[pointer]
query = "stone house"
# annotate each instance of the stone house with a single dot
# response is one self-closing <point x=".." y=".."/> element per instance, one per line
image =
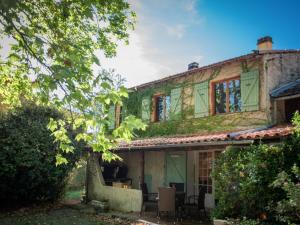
<point x="195" y="115"/>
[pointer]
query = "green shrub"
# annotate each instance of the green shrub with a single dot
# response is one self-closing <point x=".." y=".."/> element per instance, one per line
<point x="27" y="157"/>
<point x="288" y="209"/>
<point x="250" y="182"/>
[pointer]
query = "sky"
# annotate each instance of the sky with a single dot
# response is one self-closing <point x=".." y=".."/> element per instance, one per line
<point x="170" y="34"/>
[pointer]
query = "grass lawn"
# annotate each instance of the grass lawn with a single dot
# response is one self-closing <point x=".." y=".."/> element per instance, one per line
<point x="73" y="195"/>
<point x="58" y="216"/>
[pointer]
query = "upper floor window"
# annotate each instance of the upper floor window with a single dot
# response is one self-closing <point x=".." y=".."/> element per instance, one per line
<point x="162" y="107"/>
<point x="228" y="96"/>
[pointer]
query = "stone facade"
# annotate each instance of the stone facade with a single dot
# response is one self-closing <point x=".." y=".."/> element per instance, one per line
<point x="151" y="165"/>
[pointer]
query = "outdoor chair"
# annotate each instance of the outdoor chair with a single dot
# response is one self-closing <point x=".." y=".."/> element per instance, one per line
<point x="149" y="199"/>
<point x="166" y="200"/>
<point x="179" y="186"/>
<point x="195" y="203"/>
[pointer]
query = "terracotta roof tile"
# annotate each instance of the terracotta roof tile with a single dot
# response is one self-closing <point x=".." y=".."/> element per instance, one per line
<point x="253" y="134"/>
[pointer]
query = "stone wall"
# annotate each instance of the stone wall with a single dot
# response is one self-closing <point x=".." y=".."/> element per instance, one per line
<point x="229" y="121"/>
<point x="133" y="162"/>
<point x="279" y="69"/>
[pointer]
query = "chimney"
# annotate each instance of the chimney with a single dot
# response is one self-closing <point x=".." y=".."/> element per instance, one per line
<point x="264" y="43"/>
<point x="193" y="65"/>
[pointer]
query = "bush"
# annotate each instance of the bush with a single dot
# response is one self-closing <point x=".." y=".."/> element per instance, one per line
<point x="250" y="182"/>
<point x="27" y="157"/>
<point x="288" y="209"/>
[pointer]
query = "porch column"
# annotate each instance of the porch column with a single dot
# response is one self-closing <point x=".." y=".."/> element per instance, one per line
<point x="142" y="167"/>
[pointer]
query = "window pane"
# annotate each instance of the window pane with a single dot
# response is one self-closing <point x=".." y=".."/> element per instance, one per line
<point x="159" y="108"/>
<point x="220" y="93"/>
<point x="234" y="96"/>
<point x="168" y="106"/>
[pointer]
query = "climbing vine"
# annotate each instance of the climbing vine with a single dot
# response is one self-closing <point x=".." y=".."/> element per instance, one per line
<point x="132" y="105"/>
<point x="246" y="67"/>
<point x="188" y="124"/>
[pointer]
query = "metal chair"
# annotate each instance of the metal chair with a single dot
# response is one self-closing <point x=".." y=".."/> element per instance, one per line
<point x="195" y="203"/>
<point x="179" y="186"/>
<point x="179" y="197"/>
<point x="149" y="199"/>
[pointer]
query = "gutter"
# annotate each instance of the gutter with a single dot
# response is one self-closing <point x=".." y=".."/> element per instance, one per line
<point x="195" y="144"/>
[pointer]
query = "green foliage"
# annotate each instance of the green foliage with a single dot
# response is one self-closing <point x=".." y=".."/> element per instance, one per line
<point x="260" y="181"/>
<point x="28" y="167"/>
<point x="54" y="44"/>
<point x="242" y="178"/>
<point x="288" y="209"/>
<point x="133" y="104"/>
<point x="216" y="123"/>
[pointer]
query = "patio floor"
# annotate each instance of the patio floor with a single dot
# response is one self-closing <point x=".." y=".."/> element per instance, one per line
<point x="150" y="218"/>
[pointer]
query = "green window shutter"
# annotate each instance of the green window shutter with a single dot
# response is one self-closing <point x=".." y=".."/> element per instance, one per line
<point x="201" y="99"/>
<point x="176" y="103"/>
<point x="112" y="117"/>
<point x="250" y="90"/>
<point x="146" y="102"/>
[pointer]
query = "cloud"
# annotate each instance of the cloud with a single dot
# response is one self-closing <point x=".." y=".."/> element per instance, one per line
<point x="176" y="31"/>
<point x="190" y="6"/>
<point x="161" y="44"/>
<point x="130" y="62"/>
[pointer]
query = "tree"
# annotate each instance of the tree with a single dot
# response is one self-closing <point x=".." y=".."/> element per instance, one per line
<point x="52" y="60"/>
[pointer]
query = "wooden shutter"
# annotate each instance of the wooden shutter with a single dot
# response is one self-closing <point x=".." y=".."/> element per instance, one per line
<point x="146" y="108"/>
<point x="250" y="90"/>
<point x="201" y="99"/>
<point x="176" y="103"/>
<point x="112" y="117"/>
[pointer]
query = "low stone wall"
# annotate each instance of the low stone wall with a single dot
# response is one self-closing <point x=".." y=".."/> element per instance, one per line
<point x="120" y="199"/>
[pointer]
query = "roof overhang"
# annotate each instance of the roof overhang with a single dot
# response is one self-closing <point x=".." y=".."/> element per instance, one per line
<point x="267" y="134"/>
<point x="287" y="91"/>
<point x="200" y="146"/>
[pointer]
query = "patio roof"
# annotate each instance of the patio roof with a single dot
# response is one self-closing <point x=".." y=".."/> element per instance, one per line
<point x="288" y="89"/>
<point x="224" y="138"/>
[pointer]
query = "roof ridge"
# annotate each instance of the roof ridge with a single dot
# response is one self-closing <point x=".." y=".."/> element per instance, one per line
<point x="245" y="56"/>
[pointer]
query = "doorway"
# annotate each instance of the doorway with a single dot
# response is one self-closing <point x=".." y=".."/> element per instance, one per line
<point x="176" y="169"/>
<point x="291" y="106"/>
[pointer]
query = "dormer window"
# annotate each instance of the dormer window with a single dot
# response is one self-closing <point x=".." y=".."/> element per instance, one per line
<point x="162" y="107"/>
<point x="228" y="96"/>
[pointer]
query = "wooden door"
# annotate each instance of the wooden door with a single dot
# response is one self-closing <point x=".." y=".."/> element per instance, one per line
<point x="175" y="168"/>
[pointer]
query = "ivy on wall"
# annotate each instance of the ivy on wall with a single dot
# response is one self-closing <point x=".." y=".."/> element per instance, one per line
<point x="210" y="124"/>
<point x="187" y="124"/>
<point x="246" y="67"/>
<point x="132" y="105"/>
